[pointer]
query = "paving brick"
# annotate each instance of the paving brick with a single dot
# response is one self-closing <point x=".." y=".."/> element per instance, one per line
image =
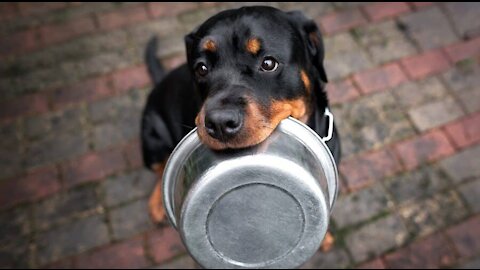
<point x="380" y="11"/>
<point x="472" y="264"/>
<point x="60" y="75"/>
<point x="10" y="151"/>
<point x="463" y="80"/>
<point x="311" y="9"/>
<point x="341" y="20"/>
<point x="360" y="206"/>
<point x="429" y="27"/>
<point x="428" y="63"/>
<point x="130" y="219"/>
<point x="409" y="96"/>
<point x="427" y="147"/>
<point x="466" y="237"/>
<point x="75" y="50"/>
<point x="133" y="185"/>
<point x="464" y="16"/>
<point x="19" y="42"/>
<point x="374" y="264"/>
<point x="429" y="215"/>
<point x="39" y="8"/>
<point x="26" y="105"/>
<point x="64" y="205"/>
<point x="341" y="92"/>
<point x="462" y="76"/>
<point x="184" y="262"/>
<point x="471" y="100"/>
<point x="381" y="78"/>
<point x="8" y="11"/>
<point x="107" y="134"/>
<point x="466" y="131"/>
<point x="93" y="167"/>
<point x="15" y="253"/>
<point x="376" y="238"/>
<point x="56" y="147"/>
<point x="471" y="193"/>
<point x="365" y="169"/>
<point x="122" y="17"/>
<point x="39" y="126"/>
<point x="435" y="114"/>
<point x="337" y="258"/>
<point x="35" y="184"/>
<point x="349" y="4"/>
<point x="373" y="121"/>
<point x="463" y="50"/>
<point x="417" y="184"/>
<point x="134" y="77"/>
<point x="55" y="33"/>
<point x="126" y="254"/>
<point x="164" y="244"/>
<point x="343" y="56"/>
<point x="133" y="154"/>
<point x="14" y="229"/>
<point x="464" y="165"/>
<point x="62" y="264"/>
<point x="71" y="238"/>
<point x="104" y="110"/>
<point x="431" y="252"/>
<point x="175" y="61"/>
<point x="422" y="4"/>
<point x="169" y="9"/>
<point x="168" y="30"/>
<point x="384" y="41"/>
<point x="191" y="19"/>
<point x="129" y="122"/>
<point x="88" y="90"/>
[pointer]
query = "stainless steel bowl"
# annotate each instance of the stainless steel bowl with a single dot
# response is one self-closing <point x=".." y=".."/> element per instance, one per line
<point x="266" y="206"/>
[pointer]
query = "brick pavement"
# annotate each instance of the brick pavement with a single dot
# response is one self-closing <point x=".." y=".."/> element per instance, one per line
<point x="405" y="89"/>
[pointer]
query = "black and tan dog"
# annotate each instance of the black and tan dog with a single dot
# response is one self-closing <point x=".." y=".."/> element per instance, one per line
<point x="247" y="69"/>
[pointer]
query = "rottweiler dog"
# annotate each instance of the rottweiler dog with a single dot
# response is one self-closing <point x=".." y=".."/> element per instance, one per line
<point x="247" y="69"/>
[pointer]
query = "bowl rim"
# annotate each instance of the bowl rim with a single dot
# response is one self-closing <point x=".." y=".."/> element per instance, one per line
<point x="191" y="141"/>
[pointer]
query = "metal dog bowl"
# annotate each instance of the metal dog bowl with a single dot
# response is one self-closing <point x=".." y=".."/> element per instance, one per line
<point x="266" y="206"/>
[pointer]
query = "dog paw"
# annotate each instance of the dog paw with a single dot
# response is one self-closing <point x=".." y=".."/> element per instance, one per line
<point x="157" y="213"/>
<point x="328" y="243"/>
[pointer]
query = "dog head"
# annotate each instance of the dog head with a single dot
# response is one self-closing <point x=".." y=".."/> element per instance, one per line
<point x="254" y="67"/>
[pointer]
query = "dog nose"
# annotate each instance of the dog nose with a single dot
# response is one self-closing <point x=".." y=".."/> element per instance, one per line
<point x="223" y="124"/>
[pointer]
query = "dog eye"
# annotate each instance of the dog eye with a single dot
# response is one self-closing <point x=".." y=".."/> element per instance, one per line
<point x="201" y="69"/>
<point x="269" y="64"/>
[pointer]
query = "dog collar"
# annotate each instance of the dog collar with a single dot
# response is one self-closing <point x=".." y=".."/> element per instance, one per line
<point x="328" y="115"/>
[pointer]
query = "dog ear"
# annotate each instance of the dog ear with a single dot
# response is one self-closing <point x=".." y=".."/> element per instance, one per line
<point x="189" y="39"/>
<point x="189" y="44"/>
<point x="313" y="38"/>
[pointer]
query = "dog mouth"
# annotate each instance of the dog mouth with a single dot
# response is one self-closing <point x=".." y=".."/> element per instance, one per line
<point x="254" y="130"/>
<point x="258" y="124"/>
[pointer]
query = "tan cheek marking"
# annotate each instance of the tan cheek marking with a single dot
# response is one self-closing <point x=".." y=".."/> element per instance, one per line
<point x="253" y="46"/>
<point x="210" y="46"/>
<point x="282" y="109"/>
<point x="306" y="81"/>
<point x="255" y="125"/>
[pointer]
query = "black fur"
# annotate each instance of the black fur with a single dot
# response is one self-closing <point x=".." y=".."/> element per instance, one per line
<point x="233" y="73"/>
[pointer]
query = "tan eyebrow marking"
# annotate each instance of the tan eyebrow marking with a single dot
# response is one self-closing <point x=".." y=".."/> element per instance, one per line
<point x="210" y="45"/>
<point x="253" y="45"/>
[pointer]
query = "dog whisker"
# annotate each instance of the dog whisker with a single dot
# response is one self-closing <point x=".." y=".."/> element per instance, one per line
<point x="184" y="125"/>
